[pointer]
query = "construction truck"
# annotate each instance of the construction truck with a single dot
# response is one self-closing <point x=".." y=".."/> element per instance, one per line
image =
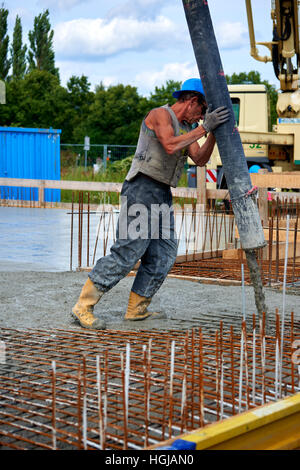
<point x="278" y="150"/>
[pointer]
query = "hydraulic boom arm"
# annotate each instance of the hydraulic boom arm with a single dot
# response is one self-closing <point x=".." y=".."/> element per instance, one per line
<point x="284" y="52"/>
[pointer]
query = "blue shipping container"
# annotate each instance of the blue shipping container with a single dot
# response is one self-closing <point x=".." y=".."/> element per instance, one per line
<point x="29" y="154"/>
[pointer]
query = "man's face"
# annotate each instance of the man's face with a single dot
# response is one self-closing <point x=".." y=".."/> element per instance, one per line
<point x="195" y="111"/>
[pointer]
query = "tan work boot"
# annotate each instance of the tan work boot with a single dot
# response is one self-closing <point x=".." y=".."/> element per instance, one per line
<point x="83" y="310"/>
<point x="137" y="308"/>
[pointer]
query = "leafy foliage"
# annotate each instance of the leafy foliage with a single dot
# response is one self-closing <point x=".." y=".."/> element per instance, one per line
<point x="35" y="97"/>
<point x="119" y="109"/>
<point x="37" y="101"/>
<point x="18" y="52"/>
<point x="163" y="94"/>
<point x="4" y="41"/>
<point x="80" y="99"/>
<point x="41" y="54"/>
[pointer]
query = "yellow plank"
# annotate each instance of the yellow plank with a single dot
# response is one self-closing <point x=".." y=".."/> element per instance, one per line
<point x="278" y="435"/>
<point x="245" y="422"/>
<point x="272" y="426"/>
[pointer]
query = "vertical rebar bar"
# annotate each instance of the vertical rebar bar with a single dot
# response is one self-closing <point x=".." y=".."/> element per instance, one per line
<point x="201" y="389"/>
<point x="192" y="377"/>
<point x="241" y="370"/>
<point x="84" y="404"/>
<point x="100" y="407"/>
<point x="124" y="407"/>
<point x="222" y="372"/>
<point x="217" y="375"/>
<point x="253" y="359"/>
<point x="232" y="370"/>
<point x="184" y="385"/>
<point x="164" y="408"/>
<point x="277" y="354"/>
<point x="147" y="376"/>
<point x="243" y="294"/>
<point x="54" y="405"/>
<point x="105" y="396"/>
<point x="271" y="221"/>
<point x="283" y="304"/>
<point x="84" y="422"/>
<point x="295" y="246"/>
<point x="79" y="432"/>
<point x="79" y="231"/>
<point x="72" y="228"/>
<point x="262" y="354"/>
<point x="292" y="342"/>
<point x="246" y="365"/>
<point x="277" y="241"/>
<point x="172" y="359"/>
<point x="81" y="227"/>
<point x="88" y="233"/>
<point x="97" y="238"/>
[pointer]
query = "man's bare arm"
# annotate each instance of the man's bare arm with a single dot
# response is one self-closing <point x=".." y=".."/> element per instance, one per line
<point x="160" y="121"/>
<point x="201" y="154"/>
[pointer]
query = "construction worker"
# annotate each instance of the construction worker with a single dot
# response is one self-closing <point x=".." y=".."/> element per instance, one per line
<point x="167" y="136"/>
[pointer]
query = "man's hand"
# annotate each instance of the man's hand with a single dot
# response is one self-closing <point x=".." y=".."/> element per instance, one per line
<point x="213" y="119"/>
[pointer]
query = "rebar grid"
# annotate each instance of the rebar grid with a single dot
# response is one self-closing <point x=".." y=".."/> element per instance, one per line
<point x="219" y="268"/>
<point x="202" y="235"/>
<point x="128" y="390"/>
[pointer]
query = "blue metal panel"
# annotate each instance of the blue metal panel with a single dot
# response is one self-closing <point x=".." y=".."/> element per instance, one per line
<point x="30" y="154"/>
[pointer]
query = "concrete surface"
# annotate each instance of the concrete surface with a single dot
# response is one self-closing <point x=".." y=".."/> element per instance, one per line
<point x="44" y="300"/>
<point x="38" y="291"/>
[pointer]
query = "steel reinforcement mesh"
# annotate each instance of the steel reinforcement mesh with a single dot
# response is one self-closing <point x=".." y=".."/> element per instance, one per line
<point x="272" y="273"/>
<point x="128" y="390"/>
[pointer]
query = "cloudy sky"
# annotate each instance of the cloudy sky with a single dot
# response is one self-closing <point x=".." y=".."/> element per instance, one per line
<point x="142" y="42"/>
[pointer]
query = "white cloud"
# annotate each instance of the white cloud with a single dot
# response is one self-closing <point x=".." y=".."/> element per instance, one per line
<point x="110" y="80"/>
<point x="92" y="39"/>
<point x="61" y="4"/>
<point x="231" y="35"/>
<point x="25" y="14"/>
<point x="96" y="74"/>
<point x="139" y="9"/>
<point x="149" y="79"/>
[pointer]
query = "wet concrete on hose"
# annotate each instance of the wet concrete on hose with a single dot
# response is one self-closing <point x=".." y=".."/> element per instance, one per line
<point x="43" y="300"/>
<point x="255" y="276"/>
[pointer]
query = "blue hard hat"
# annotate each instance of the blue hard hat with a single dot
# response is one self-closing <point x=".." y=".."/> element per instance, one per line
<point x="254" y="169"/>
<point x="192" y="84"/>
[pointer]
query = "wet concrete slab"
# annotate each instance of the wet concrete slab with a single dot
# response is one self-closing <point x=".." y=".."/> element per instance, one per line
<point x="34" y="239"/>
<point x="44" y="300"/>
<point x="37" y="290"/>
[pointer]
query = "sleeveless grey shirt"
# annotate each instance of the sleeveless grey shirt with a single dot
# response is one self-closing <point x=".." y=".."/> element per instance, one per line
<point x="151" y="159"/>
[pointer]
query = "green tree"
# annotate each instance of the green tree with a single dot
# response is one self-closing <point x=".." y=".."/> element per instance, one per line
<point x="45" y="103"/>
<point x="18" y="52"/>
<point x="38" y="100"/>
<point x="115" y="115"/>
<point x="8" y="111"/>
<point x="41" y="54"/>
<point x="80" y="100"/>
<point x="4" y="42"/>
<point x="79" y="92"/>
<point x="163" y="94"/>
<point x="255" y="78"/>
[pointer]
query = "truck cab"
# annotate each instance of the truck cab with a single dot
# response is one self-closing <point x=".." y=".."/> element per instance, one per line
<point x="251" y="110"/>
